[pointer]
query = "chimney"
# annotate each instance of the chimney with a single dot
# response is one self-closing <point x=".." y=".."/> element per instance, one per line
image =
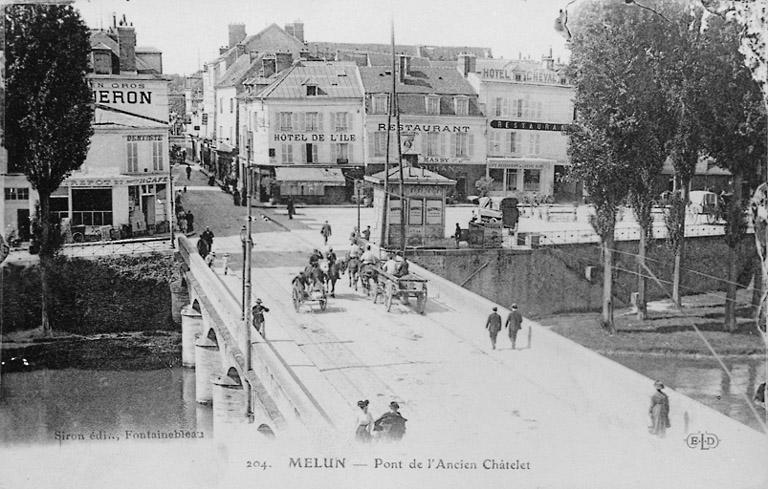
<point x="236" y="34"/>
<point x="405" y="67"/>
<point x="296" y="29"/>
<point x="240" y="47"/>
<point x="284" y="60"/>
<point x="305" y="53"/>
<point x="467" y="63"/>
<point x="268" y="65"/>
<point x="549" y="60"/>
<point x="126" y="41"/>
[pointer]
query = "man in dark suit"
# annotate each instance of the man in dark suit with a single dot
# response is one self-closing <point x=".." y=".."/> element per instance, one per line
<point x="493" y="325"/>
<point x="514" y="323"/>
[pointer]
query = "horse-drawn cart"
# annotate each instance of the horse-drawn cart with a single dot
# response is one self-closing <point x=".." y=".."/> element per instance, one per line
<point x="410" y="285"/>
<point x="315" y="295"/>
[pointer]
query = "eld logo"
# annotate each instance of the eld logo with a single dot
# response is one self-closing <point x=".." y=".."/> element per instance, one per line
<point x="702" y="441"/>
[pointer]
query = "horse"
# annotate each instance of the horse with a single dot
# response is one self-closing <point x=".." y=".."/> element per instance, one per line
<point x="335" y="270"/>
<point x="353" y="271"/>
<point x="368" y="272"/>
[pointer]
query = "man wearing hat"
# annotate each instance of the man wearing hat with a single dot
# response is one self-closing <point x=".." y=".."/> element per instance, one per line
<point x="493" y="325"/>
<point x="257" y="313"/>
<point x="514" y="323"/>
<point x="391" y="424"/>
<point x="659" y="411"/>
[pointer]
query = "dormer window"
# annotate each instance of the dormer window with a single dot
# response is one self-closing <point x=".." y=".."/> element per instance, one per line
<point x="461" y="105"/>
<point x="433" y="104"/>
<point x="311" y="90"/>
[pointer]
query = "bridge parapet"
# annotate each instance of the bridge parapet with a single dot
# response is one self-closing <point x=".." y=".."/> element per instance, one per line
<point x="286" y="403"/>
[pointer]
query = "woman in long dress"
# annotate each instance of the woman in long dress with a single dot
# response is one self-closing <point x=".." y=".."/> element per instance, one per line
<point x="364" y="423"/>
<point x="659" y="411"/>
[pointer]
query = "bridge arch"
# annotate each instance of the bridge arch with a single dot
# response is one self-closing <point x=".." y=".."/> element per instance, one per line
<point x="266" y="430"/>
<point x="233" y="374"/>
<point x="196" y="305"/>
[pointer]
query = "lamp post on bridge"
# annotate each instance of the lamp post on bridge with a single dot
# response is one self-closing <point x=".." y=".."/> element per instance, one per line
<point x="246" y="237"/>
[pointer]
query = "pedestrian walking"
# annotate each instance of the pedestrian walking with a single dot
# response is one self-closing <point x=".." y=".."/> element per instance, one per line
<point x="457" y="234"/>
<point x="493" y="325"/>
<point x="236" y="197"/>
<point x="257" y="313"/>
<point x="326" y="232"/>
<point x="183" y="223"/>
<point x="514" y="323"/>
<point x="189" y="172"/>
<point x="203" y="248"/>
<point x="364" y="423"/>
<point x="209" y="258"/>
<point x="659" y="411"/>
<point x="225" y="263"/>
<point x="207" y="236"/>
<point x="291" y="208"/>
<point x="367" y="233"/>
<point x="190" y="221"/>
<point x="391" y="425"/>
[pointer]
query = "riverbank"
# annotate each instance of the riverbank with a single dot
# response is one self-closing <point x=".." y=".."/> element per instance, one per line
<point x="667" y="331"/>
<point x="140" y="350"/>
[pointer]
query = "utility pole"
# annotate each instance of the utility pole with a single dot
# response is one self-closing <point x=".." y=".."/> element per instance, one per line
<point x="248" y="319"/>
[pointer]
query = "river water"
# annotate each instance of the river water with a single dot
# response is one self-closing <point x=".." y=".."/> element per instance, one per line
<point x="43" y="405"/>
<point x="705" y="381"/>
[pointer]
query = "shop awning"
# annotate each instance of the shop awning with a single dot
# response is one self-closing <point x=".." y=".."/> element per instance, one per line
<point x="327" y="176"/>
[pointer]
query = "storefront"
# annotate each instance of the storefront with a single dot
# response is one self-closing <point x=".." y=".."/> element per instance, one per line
<point x="310" y="185"/>
<point x="521" y="176"/>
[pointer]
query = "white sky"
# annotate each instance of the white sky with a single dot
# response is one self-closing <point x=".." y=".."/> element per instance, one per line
<point x="188" y="30"/>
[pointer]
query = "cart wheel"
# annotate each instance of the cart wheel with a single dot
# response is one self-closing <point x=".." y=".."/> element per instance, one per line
<point x="323" y="304"/>
<point x="711" y="218"/>
<point x="388" y="297"/>
<point x="78" y="237"/>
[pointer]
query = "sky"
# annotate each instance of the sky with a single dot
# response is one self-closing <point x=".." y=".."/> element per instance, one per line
<point x="189" y="32"/>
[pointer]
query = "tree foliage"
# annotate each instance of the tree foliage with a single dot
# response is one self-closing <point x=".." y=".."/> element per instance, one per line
<point x="48" y="99"/>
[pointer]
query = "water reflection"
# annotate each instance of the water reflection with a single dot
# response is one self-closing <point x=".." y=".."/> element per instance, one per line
<point x="705" y="381"/>
<point x="35" y="405"/>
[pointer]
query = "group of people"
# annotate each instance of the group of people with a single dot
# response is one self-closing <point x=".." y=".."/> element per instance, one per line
<point x="186" y="221"/>
<point x="205" y="246"/>
<point x="390" y="426"/>
<point x="514" y="323"/>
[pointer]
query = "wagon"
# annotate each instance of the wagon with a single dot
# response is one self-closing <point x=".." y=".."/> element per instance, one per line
<point x="410" y="285"/>
<point x="314" y="296"/>
<point x="705" y="206"/>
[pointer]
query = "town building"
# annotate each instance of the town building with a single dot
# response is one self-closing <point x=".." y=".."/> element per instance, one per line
<point x="216" y="141"/>
<point x="309" y="118"/>
<point x="442" y="127"/>
<point x="124" y="184"/>
<point x="528" y="104"/>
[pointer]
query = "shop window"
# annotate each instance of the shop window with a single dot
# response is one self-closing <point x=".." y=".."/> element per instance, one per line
<point x="531" y="180"/>
<point x="497" y="174"/>
<point x="433" y="144"/>
<point x="511" y="179"/>
<point x="132" y="152"/>
<point x="310" y="153"/>
<point x="433" y="104"/>
<point x="16" y="193"/>
<point x="157" y="155"/>
<point x="380" y="104"/>
<point x="92" y="207"/>
<point x="287" y="153"/>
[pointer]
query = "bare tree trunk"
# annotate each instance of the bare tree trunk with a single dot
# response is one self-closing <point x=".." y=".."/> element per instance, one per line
<point x="46" y="259"/>
<point x="642" y="307"/>
<point x="607" y="314"/>
<point x="680" y="252"/>
<point x="730" y="291"/>
<point x="757" y="293"/>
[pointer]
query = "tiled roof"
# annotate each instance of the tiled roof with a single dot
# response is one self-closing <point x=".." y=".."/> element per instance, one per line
<point x="253" y="42"/>
<point x="333" y="79"/>
<point x="332" y="47"/>
<point x="419" y="80"/>
<point x="415" y="104"/>
<point x="241" y="69"/>
<point x="102" y="37"/>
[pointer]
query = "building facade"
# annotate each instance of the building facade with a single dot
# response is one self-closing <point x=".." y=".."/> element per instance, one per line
<point x="124" y="183"/>
<point x="442" y="128"/>
<point x="310" y="117"/>
<point x="528" y="106"/>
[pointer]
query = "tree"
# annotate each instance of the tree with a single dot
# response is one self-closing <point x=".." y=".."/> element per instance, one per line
<point x="48" y="109"/>
<point x="734" y="135"/>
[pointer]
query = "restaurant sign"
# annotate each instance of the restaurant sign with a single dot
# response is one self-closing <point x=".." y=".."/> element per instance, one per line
<point x="529" y="126"/>
<point x="114" y="181"/>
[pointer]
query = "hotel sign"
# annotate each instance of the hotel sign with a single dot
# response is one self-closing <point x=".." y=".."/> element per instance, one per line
<point x="511" y="74"/>
<point x="529" y="126"/>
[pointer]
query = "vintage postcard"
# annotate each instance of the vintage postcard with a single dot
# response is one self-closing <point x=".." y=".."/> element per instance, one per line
<point x="447" y="243"/>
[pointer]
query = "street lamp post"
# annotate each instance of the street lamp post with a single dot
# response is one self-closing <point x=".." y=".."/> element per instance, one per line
<point x="243" y="240"/>
<point x="248" y="244"/>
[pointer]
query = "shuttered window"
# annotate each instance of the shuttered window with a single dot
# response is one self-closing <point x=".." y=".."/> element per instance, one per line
<point x="132" y="152"/>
